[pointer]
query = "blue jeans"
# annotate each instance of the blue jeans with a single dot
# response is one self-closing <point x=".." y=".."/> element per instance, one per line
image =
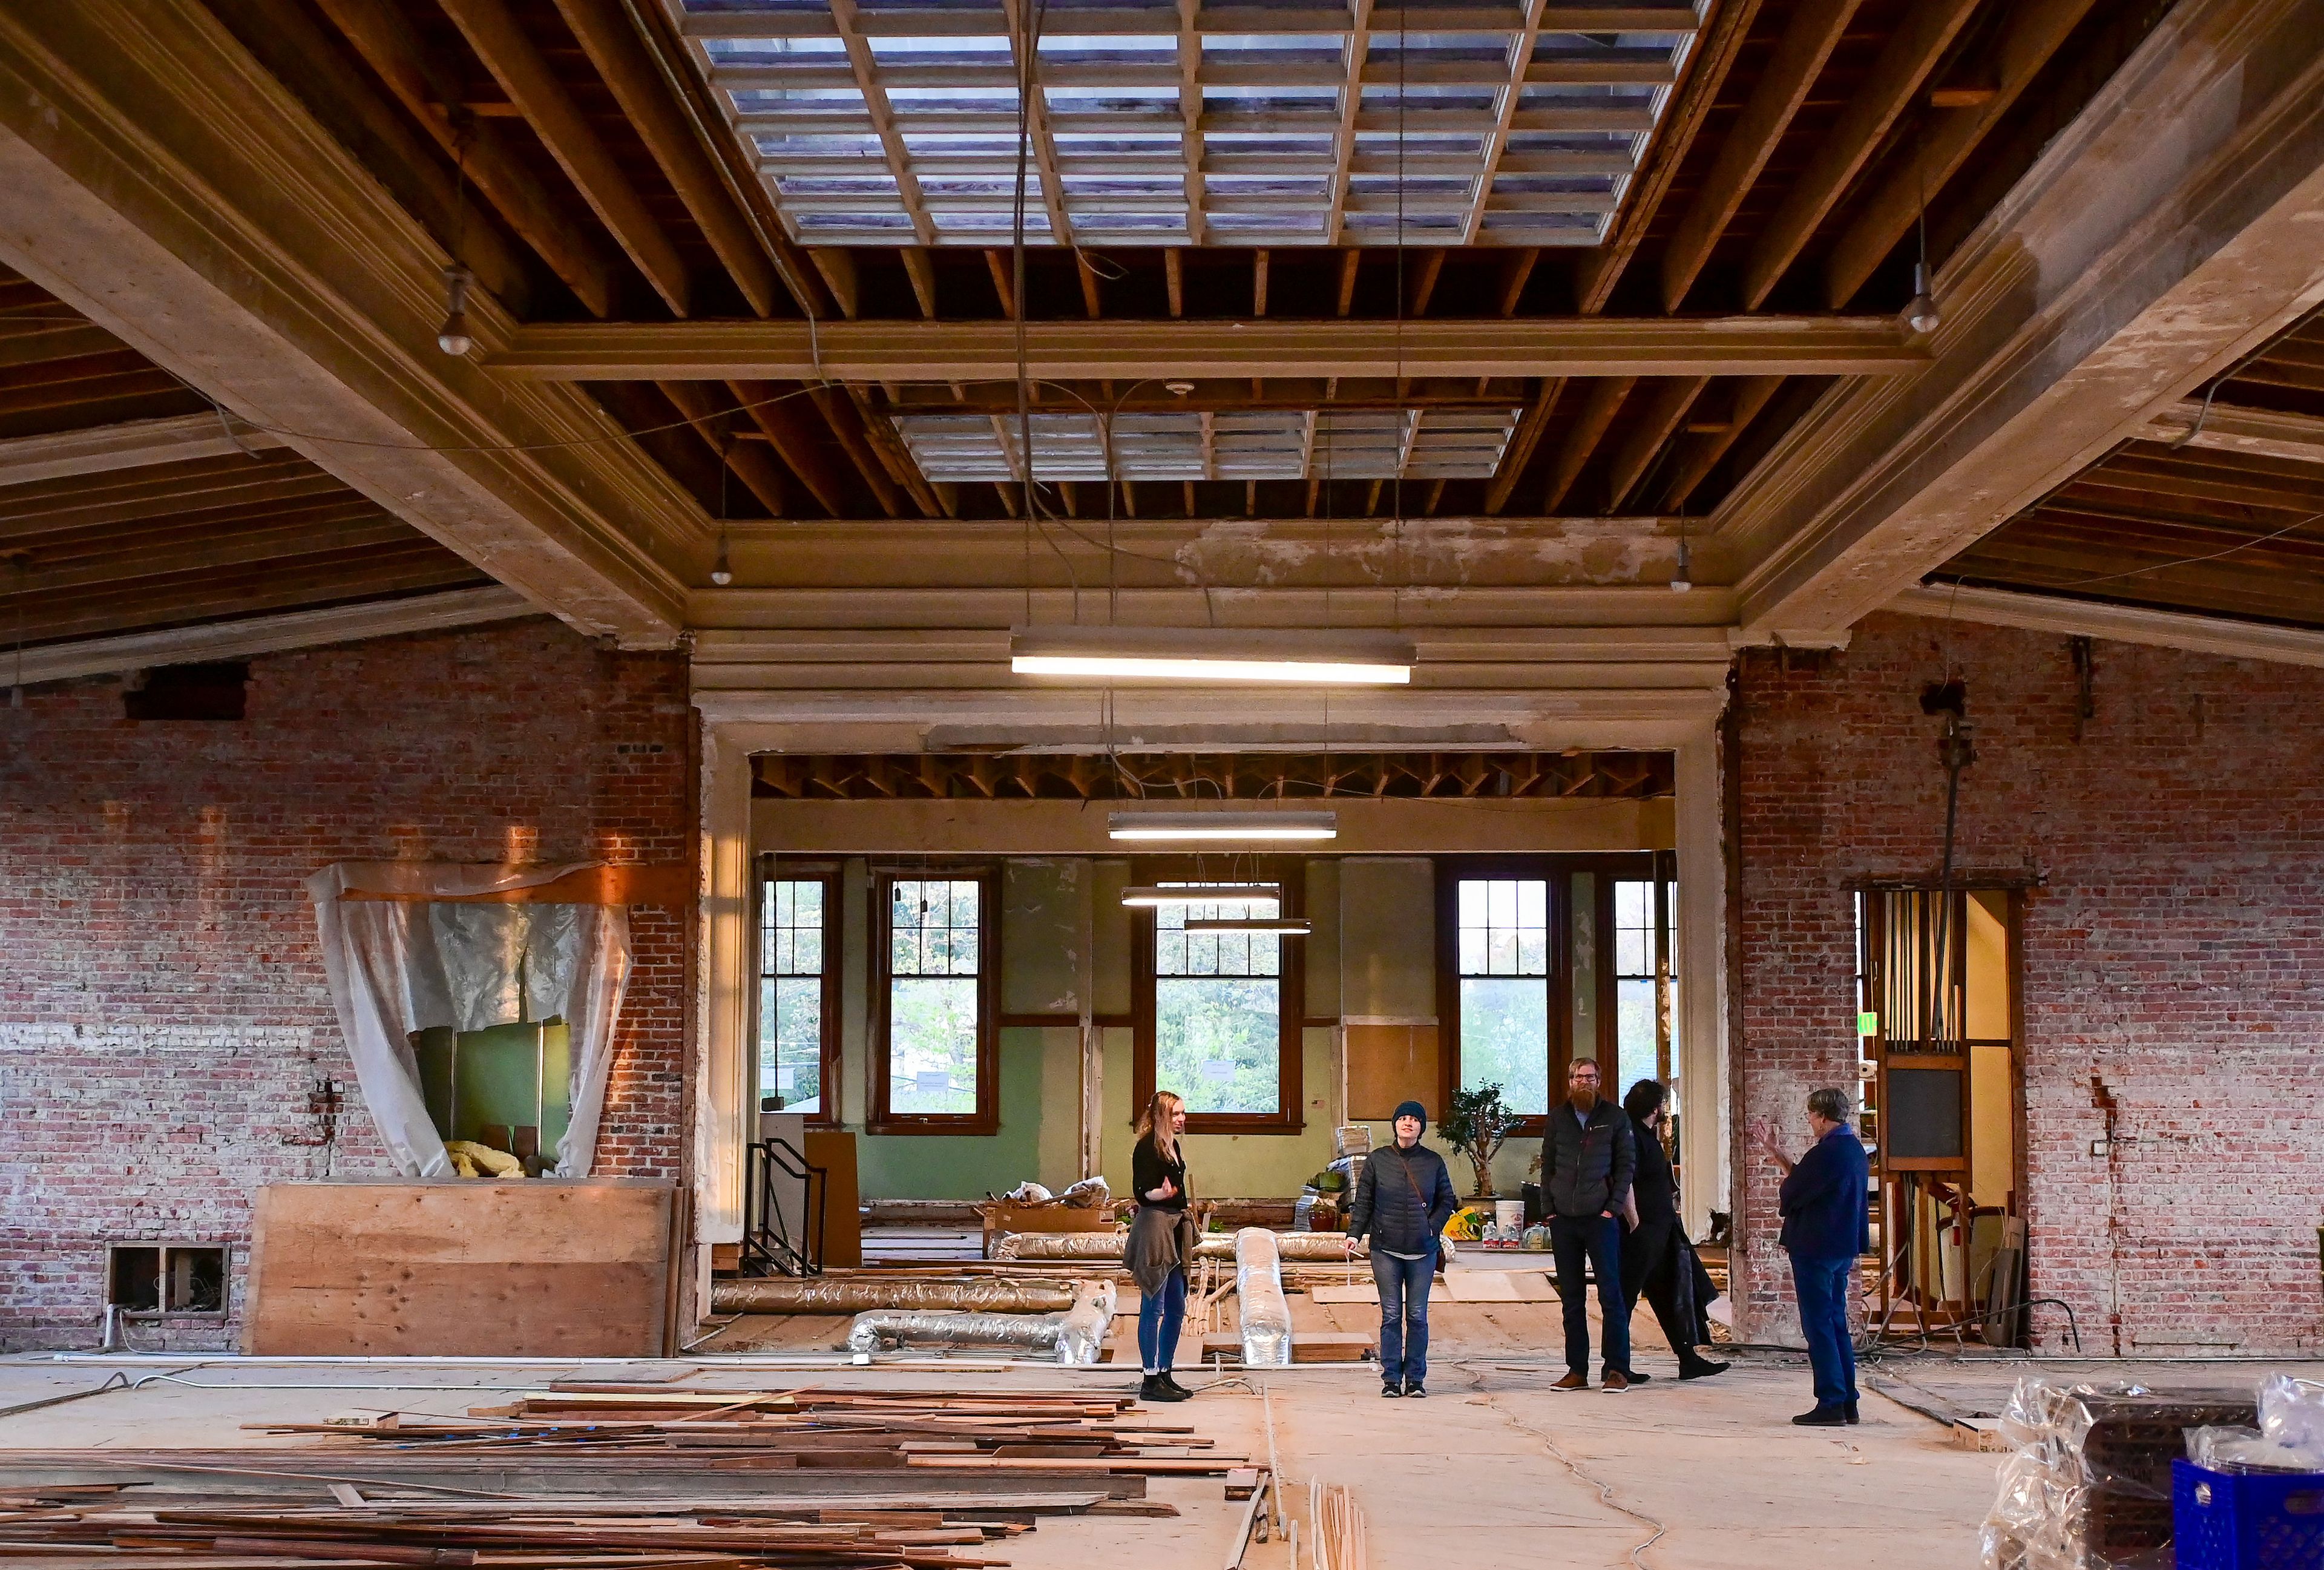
<point x="1160" y="1316"/>
<point x="1597" y="1238"/>
<point x="1821" y="1287"/>
<point x="1403" y="1316"/>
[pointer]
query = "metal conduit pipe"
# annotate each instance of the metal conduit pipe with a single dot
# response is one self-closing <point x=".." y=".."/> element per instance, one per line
<point x="862" y="1295"/>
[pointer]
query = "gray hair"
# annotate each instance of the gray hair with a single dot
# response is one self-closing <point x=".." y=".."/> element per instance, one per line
<point x="1828" y="1104"/>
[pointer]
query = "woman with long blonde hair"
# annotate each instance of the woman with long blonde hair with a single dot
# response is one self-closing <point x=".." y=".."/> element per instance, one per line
<point x="1162" y="1238"/>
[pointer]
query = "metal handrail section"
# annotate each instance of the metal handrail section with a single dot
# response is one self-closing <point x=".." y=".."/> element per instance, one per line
<point x="768" y="1247"/>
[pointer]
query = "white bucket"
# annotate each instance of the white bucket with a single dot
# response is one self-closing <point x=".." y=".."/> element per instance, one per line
<point x="1509" y="1214"/>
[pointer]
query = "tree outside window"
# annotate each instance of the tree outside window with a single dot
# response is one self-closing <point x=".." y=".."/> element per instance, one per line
<point x="1218" y="1010"/>
<point x="933" y="1063"/>
<point x="1503" y="955"/>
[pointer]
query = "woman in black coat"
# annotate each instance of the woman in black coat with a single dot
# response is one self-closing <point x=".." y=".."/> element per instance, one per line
<point x="1403" y="1201"/>
<point x="1657" y="1260"/>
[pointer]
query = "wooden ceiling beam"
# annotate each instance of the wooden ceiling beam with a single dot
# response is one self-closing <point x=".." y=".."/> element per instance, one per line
<point x="1814" y="30"/>
<point x="625" y="60"/>
<point x="313" y="64"/>
<point x="516" y="63"/>
<point x="58" y="571"/>
<point x="1653" y="426"/>
<point x="243" y="637"/>
<point x="1582" y="436"/>
<point x="1523" y="442"/>
<point x="384" y="37"/>
<point x="27" y="460"/>
<point x="1920" y="40"/>
<point x="2032" y="31"/>
<point x="114" y="512"/>
<point x="794" y="437"/>
<point x="2083" y="618"/>
<point x="1703" y="452"/>
<point x="716" y="423"/>
<point x="2222" y="428"/>
<point x="1713" y="56"/>
<point x="946" y="351"/>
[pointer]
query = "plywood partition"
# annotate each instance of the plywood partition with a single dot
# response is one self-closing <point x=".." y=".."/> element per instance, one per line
<point x="461" y="1269"/>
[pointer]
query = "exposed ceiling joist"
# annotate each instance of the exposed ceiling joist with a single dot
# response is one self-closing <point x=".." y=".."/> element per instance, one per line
<point x="165" y="185"/>
<point x="2122" y="272"/>
<point x="2123" y="623"/>
<point x="240" y="638"/>
<point x="949" y="351"/>
<point x="2255" y="432"/>
<point x="136" y="444"/>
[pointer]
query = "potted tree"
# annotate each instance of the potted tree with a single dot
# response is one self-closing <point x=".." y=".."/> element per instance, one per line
<point x="1475" y="1124"/>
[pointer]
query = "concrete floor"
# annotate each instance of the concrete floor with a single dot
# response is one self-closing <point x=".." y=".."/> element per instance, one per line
<point x="1494" y="1470"/>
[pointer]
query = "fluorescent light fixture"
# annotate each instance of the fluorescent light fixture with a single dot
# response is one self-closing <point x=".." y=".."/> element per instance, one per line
<point x="1333" y="658"/>
<point x="1147" y="896"/>
<point x="1240" y="826"/>
<point x="1256" y="926"/>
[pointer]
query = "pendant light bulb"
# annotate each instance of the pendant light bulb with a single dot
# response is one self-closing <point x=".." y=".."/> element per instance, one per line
<point x="722" y="571"/>
<point x="1921" y="315"/>
<point x="1683" y="575"/>
<point x="453" y="337"/>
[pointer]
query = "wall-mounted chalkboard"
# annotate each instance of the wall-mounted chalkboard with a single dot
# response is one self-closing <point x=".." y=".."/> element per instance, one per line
<point x="1923" y="1115"/>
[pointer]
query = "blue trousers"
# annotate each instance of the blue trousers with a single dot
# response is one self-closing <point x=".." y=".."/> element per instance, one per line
<point x="1403" y="1316"/>
<point x="1821" y="1287"/>
<point x="1160" y="1316"/>
<point x="1597" y="1238"/>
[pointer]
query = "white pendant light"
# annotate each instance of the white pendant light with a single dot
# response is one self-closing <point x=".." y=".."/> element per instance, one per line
<point x="1254" y="927"/>
<point x="1338" y="658"/>
<point x="1223" y="825"/>
<point x="1148" y="896"/>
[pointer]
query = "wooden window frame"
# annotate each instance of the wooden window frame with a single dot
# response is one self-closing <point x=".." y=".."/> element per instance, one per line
<point x="1452" y="871"/>
<point x="771" y="869"/>
<point x="1291" y="1015"/>
<point x="986" y="1118"/>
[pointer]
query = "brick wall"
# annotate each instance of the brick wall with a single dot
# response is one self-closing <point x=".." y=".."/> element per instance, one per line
<point x="2175" y="950"/>
<point x="164" y="1014"/>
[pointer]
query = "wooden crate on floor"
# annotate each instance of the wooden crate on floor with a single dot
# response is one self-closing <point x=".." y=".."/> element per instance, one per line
<point x="461" y="1269"/>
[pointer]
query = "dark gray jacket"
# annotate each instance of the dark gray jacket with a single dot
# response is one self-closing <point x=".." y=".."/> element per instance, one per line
<point x="1586" y="1169"/>
<point x="1403" y="1217"/>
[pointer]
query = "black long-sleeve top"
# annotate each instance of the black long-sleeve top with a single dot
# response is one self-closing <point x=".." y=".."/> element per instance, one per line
<point x="1148" y="1168"/>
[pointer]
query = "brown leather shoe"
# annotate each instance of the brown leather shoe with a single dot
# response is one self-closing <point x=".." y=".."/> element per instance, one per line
<point x="1615" y="1380"/>
<point x="1572" y="1381"/>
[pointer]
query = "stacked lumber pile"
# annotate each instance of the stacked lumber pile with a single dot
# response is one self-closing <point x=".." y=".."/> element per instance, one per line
<point x="623" y="1479"/>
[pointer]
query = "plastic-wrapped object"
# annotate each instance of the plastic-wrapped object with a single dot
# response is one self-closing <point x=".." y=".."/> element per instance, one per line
<point x="1089" y="1194"/>
<point x="2234" y="1449"/>
<point x="2089" y="1487"/>
<point x="870" y="1294"/>
<point x="1266" y="1312"/>
<point x="1059" y="1246"/>
<point x="2291" y="1416"/>
<point x="1029" y="1194"/>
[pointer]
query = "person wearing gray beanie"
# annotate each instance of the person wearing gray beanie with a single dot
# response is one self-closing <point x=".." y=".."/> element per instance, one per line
<point x="1402" y="1203"/>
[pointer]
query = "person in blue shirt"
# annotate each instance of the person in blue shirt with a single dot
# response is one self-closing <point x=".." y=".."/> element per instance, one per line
<point x="1825" y="1228"/>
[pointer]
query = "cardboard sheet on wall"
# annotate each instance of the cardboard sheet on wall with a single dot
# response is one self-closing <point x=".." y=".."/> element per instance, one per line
<point x="1388" y="1064"/>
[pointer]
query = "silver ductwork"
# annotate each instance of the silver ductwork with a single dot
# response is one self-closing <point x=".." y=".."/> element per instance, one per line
<point x="1266" y="1312"/>
<point x="1074" y="1337"/>
<point x="871" y="1294"/>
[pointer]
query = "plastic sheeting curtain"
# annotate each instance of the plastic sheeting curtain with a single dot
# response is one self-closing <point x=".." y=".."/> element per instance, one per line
<point x="399" y="963"/>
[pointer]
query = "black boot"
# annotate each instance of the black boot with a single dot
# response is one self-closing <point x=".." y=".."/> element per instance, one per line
<point x="1849" y="1408"/>
<point x="1169" y="1382"/>
<point x="1824" y="1417"/>
<point x="1697" y="1367"/>
<point x="1157" y="1388"/>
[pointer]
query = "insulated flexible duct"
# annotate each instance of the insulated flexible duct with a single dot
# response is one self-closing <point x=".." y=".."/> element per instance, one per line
<point x="1307" y="1247"/>
<point x="869" y="1294"/>
<point x="1266" y="1314"/>
<point x="1074" y="1337"/>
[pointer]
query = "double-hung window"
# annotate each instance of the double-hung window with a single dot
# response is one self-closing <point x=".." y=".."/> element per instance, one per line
<point x="933" y="1070"/>
<point x="1506" y="989"/>
<point x="1219" y="1017"/>
<point x="799" y="974"/>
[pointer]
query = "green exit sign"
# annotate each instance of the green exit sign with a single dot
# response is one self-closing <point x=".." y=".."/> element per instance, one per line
<point x="1868" y="1024"/>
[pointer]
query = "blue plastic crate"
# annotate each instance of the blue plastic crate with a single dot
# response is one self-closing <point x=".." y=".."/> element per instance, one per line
<point x="2246" y="1521"/>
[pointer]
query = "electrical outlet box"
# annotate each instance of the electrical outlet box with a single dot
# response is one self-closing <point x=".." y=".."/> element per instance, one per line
<point x="2101" y="1148"/>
